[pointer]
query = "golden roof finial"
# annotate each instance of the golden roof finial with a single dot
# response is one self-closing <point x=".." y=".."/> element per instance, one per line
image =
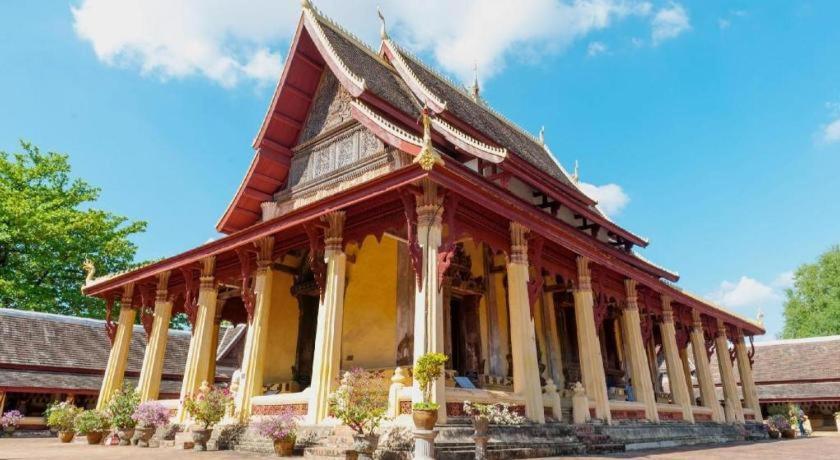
<point x="428" y="156"/>
<point x="383" y="32"/>
<point x="306" y="4"/>
<point x="90" y="270"/>
<point x="576" y="175"/>
<point x="760" y="317"/>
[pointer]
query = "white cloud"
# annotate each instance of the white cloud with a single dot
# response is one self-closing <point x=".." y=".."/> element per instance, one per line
<point x="610" y="197"/>
<point x="229" y="43"/>
<point x="748" y="297"/>
<point x="724" y="23"/>
<point x="669" y="22"/>
<point x="596" y="48"/>
<point x="830" y="133"/>
<point x="784" y="280"/>
<point x="217" y="39"/>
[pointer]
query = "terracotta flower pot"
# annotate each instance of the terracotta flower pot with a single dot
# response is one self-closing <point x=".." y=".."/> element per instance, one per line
<point x="66" y="436"/>
<point x="789" y="433"/>
<point x="424" y="419"/>
<point x="94" y="437"/>
<point x="146" y="433"/>
<point x="200" y="437"/>
<point x="284" y="447"/>
<point x="365" y="445"/>
<point x="125" y="436"/>
<point x="774" y="434"/>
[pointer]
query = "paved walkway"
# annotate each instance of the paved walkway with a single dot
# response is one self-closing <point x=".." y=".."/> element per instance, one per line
<point x="820" y="447"/>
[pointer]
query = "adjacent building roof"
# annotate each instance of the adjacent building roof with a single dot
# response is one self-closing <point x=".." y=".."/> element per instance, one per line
<point x="795" y="370"/>
<point x="41" y="351"/>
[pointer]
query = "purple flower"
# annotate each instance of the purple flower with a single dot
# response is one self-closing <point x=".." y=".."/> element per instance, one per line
<point x="151" y="413"/>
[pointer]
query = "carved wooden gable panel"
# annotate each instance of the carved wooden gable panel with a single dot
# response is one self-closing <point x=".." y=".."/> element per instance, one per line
<point x="330" y="108"/>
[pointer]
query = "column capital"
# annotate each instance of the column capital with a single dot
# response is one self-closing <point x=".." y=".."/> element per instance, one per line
<point x="429" y="205"/>
<point x="631" y="294"/>
<point x="162" y="286"/>
<point x="696" y="321"/>
<point x="518" y="243"/>
<point x="208" y="268"/>
<point x="721" y="328"/>
<point x="127" y="297"/>
<point x="584" y="274"/>
<point x="334" y="231"/>
<point x="667" y="309"/>
<point x="265" y="249"/>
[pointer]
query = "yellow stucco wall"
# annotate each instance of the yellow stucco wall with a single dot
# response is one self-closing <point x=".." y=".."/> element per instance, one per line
<point x="370" y="310"/>
<point x="282" y="331"/>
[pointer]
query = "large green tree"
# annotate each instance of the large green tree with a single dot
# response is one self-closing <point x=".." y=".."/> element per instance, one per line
<point x="48" y="228"/>
<point x="812" y="307"/>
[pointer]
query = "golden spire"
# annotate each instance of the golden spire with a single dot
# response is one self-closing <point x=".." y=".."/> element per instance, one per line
<point x="383" y="32"/>
<point x="576" y="175"/>
<point x="428" y="156"/>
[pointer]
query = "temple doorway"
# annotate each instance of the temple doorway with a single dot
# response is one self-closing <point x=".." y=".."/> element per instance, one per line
<point x="307" y="324"/>
<point x="466" y="336"/>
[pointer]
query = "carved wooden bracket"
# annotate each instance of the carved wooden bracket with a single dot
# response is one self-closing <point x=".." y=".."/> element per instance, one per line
<point x="535" y="255"/>
<point x="316" y="256"/>
<point x="751" y="353"/>
<point x="599" y="310"/>
<point x="447" y="248"/>
<point x="414" y="251"/>
<point x="646" y="324"/>
<point x="110" y="327"/>
<point x="247" y="288"/>
<point x="147" y="297"/>
<point x="190" y="294"/>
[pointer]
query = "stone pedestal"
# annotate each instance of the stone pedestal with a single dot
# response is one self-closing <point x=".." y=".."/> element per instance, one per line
<point x="424" y="444"/>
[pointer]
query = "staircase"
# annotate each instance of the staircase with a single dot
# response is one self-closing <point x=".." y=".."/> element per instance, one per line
<point x="454" y="441"/>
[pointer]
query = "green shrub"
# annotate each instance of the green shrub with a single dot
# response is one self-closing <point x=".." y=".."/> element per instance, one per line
<point x="61" y="416"/>
<point x="121" y="407"/>
<point x="427" y="369"/>
<point x="91" y="421"/>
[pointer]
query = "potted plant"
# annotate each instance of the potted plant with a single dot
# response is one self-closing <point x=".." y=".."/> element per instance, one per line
<point x="496" y="414"/>
<point x="361" y="402"/>
<point x="207" y="406"/>
<point x="428" y="368"/>
<point x="149" y="416"/>
<point x="61" y="416"/>
<point x="282" y="429"/>
<point x="120" y="408"/>
<point x="93" y="424"/>
<point x="10" y="421"/>
<point x="780" y="424"/>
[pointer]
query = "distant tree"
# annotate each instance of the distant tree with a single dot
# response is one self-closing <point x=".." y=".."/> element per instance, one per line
<point x="812" y="307"/>
<point x="48" y="228"/>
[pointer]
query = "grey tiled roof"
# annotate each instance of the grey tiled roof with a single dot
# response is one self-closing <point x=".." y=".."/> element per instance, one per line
<point x="70" y="381"/>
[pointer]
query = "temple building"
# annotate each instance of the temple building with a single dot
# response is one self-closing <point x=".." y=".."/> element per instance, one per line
<point x="388" y="213"/>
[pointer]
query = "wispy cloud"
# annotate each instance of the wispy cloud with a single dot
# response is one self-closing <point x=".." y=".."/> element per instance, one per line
<point x="669" y="22"/>
<point x="749" y="296"/>
<point x="829" y="133"/>
<point x="596" y="48"/>
<point x="229" y="43"/>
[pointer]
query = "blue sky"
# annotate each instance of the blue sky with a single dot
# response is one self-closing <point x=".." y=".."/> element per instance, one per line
<point x="716" y="122"/>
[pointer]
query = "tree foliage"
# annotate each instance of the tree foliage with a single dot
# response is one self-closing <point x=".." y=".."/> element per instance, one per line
<point x="812" y="307"/>
<point x="48" y="227"/>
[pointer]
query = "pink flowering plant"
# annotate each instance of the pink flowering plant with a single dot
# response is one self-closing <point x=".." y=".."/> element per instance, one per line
<point x="778" y="422"/>
<point x="497" y="414"/>
<point x="208" y="405"/>
<point x="360" y="401"/>
<point x="151" y="413"/>
<point x="11" y="419"/>
<point x="282" y="427"/>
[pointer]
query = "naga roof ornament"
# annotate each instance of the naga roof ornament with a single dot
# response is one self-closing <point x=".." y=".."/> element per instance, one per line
<point x="428" y="156"/>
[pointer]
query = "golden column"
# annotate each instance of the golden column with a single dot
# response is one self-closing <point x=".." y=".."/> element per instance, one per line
<point x="734" y="412"/>
<point x="701" y="366"/>
<point x="326" y="363"/>
<point x="555" y="349"/>
<point x="676" y="377"/>
<point x="589" y="348"/>
<point x="117" y="359"/>
<point x="640" y="370"/>
<point x="195" y="371"/>
<point x="689" y="385"/>
<point x="745" y="371"/>
<point x="211" y="361"/>
<point x="526" y="370"/>
<point x="428" y="298"/>
<point x="257" y="335"/>
<point x="149" y="384"/>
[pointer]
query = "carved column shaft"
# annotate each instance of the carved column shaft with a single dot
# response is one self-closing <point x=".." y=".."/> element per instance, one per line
<point x="589" y="347"/>
<point x="326" y="363"/>
<point x="676" y="378"/>
<point x="150" y="375"/>
<point x="526" y="372"/>
<point x="641" y="381"/>
<point x="118" y="358"/>
<point x="747" y="381"/>
<point x="428" y="298"/>
<point x="734" y="410"/>
<point x="703" y="369"/>
<point x="257" y="335"/>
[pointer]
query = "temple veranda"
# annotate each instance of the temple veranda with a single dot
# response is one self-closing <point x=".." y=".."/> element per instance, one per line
<point x="387" y="214"/>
